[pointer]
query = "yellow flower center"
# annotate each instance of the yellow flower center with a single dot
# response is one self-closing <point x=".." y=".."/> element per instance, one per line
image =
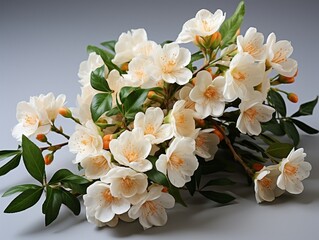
<point x="107" y="196"/>
<point x="99" y="162"/>
<point x="180" y="118"/>
<point x="149" y="129"/>
<point x="127" y="183"/>
<point x="290" y="169"/>
<point x="175" y="161"/>
<point x="206" y="26"/>
<point x="131" y="155"/>
<point x="29" y="120"/>
<point x="140" y="74"/>
<point x="151" y="207"/>
<point x="199" y="141"/>
<point x="251" y="114"/>
<point x="238" y="75"/>
<point x="211" y="93"/>
<point x="266" y="182"/>
<point x="280" y="56"/>
<point x="169" y="66"/>
<point x="87" y="141"/>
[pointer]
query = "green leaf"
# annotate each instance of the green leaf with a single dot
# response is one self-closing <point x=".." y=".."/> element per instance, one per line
<point x="101" y="103"/>
<point x="304" y="127"/>
<point x="134" y="102"/>
<point x="196" y="56"/>
<point x="219" y="182"/>
<point x="109" y="45"/>
<point x="20" y="188"/>
<point x="12" y="164"/>
<point x="268" y="139"/>
<point x="291" y="131"/>
<point x="25" y="200"/>
<point x="8" y="153"/>
<point x="113" y="111"/>
<point x="274" y="127"/>
<point x="166" y="42"/>
<point x="106" y="56"/>
<point x="98" y="81"/>
<point x="157" y="177"/>
<point x="71" y="201"/>
<point x="217" y="196"/>
<point x="174" y="191"/>
<point x="277" y="102"/>
<point x="125" y="91"/>
<point x="279" y="150"/>
<point x="51" y="206"/>
<point x="76" y="188"/>
<point x="65" y="175"/>
<point x="33" y="159"/>
<point x="306" y="108"/>
<point x="230" y="26"/>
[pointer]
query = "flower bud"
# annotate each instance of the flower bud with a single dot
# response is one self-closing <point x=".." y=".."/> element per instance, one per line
<point x="65" y="112"/>
<point x="48" y="159"/>
<point x="41" y="138"/>
<point x="153" y="96"/>
<point x="124" y="67"/>
<point x="199" y="41"/>
<point x="106" y="141"/>
<point x="257" y="166"/>
<point x="293" y="97"/>
<point x="286" y="80"/>
<point x="216" y="38"/>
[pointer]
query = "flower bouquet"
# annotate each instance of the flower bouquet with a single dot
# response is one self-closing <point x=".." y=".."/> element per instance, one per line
<point x="154" y="119"/>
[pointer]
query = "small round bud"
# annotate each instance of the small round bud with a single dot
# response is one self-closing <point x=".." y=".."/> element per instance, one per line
<point x="286" y="80"/>
<point x="215" y="40"/>
<point x="124" y="67"/>
<point x="106" y="141"/>
<point x="65" y="112"/>
<point x="199" y="41"/>
<point x="41" y="138"/>
<point x="257" y="166"/>
<point x="165" y="190"/>
<point x="293" y="97"/>
<point x="48" y="159"/>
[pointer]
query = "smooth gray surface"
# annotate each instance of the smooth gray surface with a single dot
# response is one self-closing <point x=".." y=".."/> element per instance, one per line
<point x="41" y="46"/>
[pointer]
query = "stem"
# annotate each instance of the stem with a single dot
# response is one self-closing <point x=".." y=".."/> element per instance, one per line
<point x="58" y="131"/>
<point x="200" y="69"/>
<point x="233" y="151"/>
<point x="57" y="146"/>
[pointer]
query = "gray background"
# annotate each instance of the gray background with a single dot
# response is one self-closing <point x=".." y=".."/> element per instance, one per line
<point x="41" y="46"/>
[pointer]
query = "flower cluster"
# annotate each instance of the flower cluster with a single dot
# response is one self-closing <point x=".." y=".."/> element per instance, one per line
<point x="150" y="121"/>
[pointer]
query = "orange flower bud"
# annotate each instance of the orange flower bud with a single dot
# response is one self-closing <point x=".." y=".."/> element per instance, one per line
<point x="199" y="41"/>
<point x="293" y="97"/>
<point x="165" y="190"/>
<point x="216" y="38"/>
<point x="200" y="122"/>
<point x="150" y="94"/>
<point x="238" y="32"/>
<point x="124" y="67"/>
<point x="219" y="134"/>
<point x="48" y="159"/>
<point x="257" y="166"/>
<point x="286" y="80"/>
<point x="65" y="112"/>
<point x="41" y="138"/>
<point x="106" y="141"/>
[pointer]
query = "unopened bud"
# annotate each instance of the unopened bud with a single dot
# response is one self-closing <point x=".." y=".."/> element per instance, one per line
<point x="65" y="112"/>
<point x="199" y="41"/>
<point x="41" y="138"/>
<point x="257" y="166"/>
<point x="153" y="96"/>
<point x="124" y="67"/>
<point x="216" y="38"/>
<point x="165" y="190"/>
<point x="106" y="141"/>
<point x="286" y="80"/>
<point x="48" y="159"/>
<point x="238" y="32"/>
<point x="293" y="97"/>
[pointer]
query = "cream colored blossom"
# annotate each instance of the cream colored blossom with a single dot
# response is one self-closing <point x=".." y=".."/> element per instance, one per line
<point x="152" y="124"/>
<point x="150" y="209"/>
<point x="97" y="166"/>
<point x="204" y="24"/>
<point x="179" y="162"/>
<point x="131" y="149"/>
<point x="293" y="169"/>
<point x="125" y="182"/>
<point x="206" y="144"/>
<point x="266" y="184"/>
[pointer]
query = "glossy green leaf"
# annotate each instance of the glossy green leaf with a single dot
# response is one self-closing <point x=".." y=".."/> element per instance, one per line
<point x="219" y="182"/>
<point x="101" y="103"/>
<point x="134" y="102"/>
<point x="20" y="188"/>
<point x="196" y="56"/>
<point x="106" y="56"/>
<point x="274" y="127"/>
<point x="71" y="201"/>
<point x="110" y="45"/>
<point x="231" y="25"/>
<point x="113" y="111"/>
<point x="291" y="131"/>
<point x="306" y="108"/>
<point x="304" y="127"/>
<point x="125" y="91"/>
<point x="277" y="102"/>
<point x="217" y="196"/>
<point x="76" y="188"/>
<point x="174" y="191"/>
<point x="157" y="177"/>
<point x="33" y="159"/>
<point x="98" y="81"/>
<point x="8" y="153"/>
<point x="51" y="206"/>
<point x="166" y="42"/>
<point x="25" y="200"/>
<point x="279" y="150"/>
<point x="12" y="164"/>
<point x="65" y="175"/>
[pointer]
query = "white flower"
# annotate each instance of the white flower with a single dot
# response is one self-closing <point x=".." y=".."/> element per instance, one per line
<point x="206" y="144"/>
<point x="208" y="95"/>
<point x="170" y="64"/>
<point x="101" y="205"/>
<point x="37" y="116"/>
<point x="278" y="56"/>
<point x="266" y="184"/>
<point x="243" y="75"/>
<point x="146" y="49"/>
<point x="112" y="223"/>
<point x="87" y="67"/>
<point x="152" y="124"/>
<point x="83" y="110"/>
<point x="252" y="43"/>
<point x="150" y="209"/>
<point x="182" y="120"/>
<point x="179" y="162"/>
<point x="97" y="166"/>
<point x="126" y="45"/>
<point x="293" y="169"/>
<point x="204" y="24"/>
<point x="264" y="86"/>
<point x="125" y="182"/>
<point x="85" y="141"/>
<point x="252" y="113"/>
<point x="131" y="149"/>
<point x="116" y="82"/>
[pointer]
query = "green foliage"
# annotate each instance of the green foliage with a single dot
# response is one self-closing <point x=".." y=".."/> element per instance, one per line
<point x="98" y="81"/>
<point x="218" y="197"/>
<point x="109" y="45"/>
<point x="8" y="153"/>
<point x="306" y="109"/>
<point x="219" y="182"/>
<point x="174" y="191"/>
<point x="52" y="204"/>
<point x="279" y="150"/>
<point x="231" y="25"/>
<point x="106" y="56"/>
<point x="304" y="127"/>
<point x="19" y="188"/>
<point x="71" y="201"/>
<point x="291" y="131"/>
<point x="101" y="103"/>
<point x="12" y="164"/>
<point x="33" y="159"/>
<point x="134" y="102"/>
<point x="276" y="100"/>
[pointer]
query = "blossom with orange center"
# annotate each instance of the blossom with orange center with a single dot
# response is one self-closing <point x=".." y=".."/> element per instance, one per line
<point x="97" y="166"/>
